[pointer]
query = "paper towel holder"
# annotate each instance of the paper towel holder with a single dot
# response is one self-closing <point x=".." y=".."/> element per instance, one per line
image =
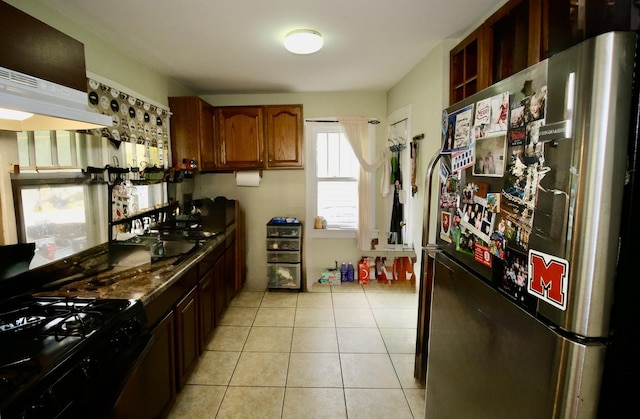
<point x="235" y="173"/>
<point x="245" y="171"/>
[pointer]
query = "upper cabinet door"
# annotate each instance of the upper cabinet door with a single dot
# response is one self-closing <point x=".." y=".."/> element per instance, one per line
<point x="467" y="61"/>
<point x="208" y="150"/>
<point x="192" y="133"/>
<point x="284" y="128"/>
<point x="241" y="138"/>
<point x="515" y="38"/>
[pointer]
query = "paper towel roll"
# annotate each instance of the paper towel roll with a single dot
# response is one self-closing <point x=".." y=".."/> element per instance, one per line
<point x="248" y="178"/>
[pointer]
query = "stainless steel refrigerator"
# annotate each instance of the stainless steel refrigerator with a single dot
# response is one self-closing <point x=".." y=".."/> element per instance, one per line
<point x="529" y="290"/>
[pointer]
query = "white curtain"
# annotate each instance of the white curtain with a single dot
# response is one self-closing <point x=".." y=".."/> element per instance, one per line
<point x="357" y="132"/>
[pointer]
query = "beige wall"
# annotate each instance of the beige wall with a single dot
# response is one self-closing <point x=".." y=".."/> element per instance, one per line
<point x="425" y="89"/>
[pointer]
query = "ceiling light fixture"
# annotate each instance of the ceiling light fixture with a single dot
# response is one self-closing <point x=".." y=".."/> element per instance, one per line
<point x="303" y="41"/>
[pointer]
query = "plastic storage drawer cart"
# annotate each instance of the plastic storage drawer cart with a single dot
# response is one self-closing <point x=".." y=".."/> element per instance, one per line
<point x="284" y="254"/>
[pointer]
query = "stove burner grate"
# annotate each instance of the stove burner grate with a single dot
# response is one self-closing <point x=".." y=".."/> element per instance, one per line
<point x="20" y="322"/>
<point x="58" y="318"/>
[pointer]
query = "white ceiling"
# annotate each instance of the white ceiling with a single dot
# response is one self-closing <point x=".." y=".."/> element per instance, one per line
<point x="235" y="46"/>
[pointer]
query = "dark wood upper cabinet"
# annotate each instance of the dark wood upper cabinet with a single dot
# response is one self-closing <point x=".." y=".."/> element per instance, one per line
<point x="283" y="134"/>
<point x="228" y="138"/>
<point x="524" y="32"/>
<point x="466" y="60"/>
<point x="192" y="132"/>
<point x="240" y="137"/>
<point x="260" y="137"/>
<point x="514" y="38"/>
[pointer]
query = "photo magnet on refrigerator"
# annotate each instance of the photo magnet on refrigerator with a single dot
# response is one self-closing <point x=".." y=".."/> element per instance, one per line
<point x="445" y="226"/>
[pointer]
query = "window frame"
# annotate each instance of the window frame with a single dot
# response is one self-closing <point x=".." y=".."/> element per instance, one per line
<point x="312" y="128"/>
<point x="96" y="205"/>
<point x="82" y="149"/>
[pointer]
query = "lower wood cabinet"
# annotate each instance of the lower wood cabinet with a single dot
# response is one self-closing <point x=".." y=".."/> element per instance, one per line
<point x="211" y="294"/>
<point x="182" y="319"/>
<point x="150" y="390"/>
<point x="220" y="299"/>
<point x="230" y="268"/>
<point x="206" y="298"/>
<point x="187" y="336"/>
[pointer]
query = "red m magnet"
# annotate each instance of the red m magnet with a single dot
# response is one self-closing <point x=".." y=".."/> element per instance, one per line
<point x="548" y="278"/>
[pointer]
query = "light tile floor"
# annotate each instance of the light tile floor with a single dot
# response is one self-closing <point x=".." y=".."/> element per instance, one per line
<point x="344" y="351"/>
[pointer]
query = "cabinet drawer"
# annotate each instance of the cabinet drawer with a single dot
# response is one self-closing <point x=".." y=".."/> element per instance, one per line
<point x="283" y="231"/>
<point x="283" y="244"/>
<point x="283" y="257"/>
<point x="283" y="275"/>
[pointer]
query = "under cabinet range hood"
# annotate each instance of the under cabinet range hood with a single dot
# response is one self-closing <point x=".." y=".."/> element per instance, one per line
<point x="44" y="105"/>
<point x="42" y="73"/>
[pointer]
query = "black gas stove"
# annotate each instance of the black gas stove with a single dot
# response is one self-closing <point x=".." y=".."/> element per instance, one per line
<point x="66" y="357"/>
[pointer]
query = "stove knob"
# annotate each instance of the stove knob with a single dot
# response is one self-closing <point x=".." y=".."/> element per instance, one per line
<point x="133" y="328"/>
<point x="45" y="406"/>
<point x="89" y="367"/>
<point x="119" y="341"/>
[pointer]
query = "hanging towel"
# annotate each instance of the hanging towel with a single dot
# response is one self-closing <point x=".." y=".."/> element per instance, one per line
<point x="386" y="182"/>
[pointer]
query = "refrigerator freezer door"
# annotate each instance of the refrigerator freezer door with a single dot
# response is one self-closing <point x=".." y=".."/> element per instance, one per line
<point x="488" y="358"/>
<point x="591" y="182"/>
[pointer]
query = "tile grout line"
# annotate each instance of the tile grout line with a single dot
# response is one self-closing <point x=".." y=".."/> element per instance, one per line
<point x="344" y="391"/>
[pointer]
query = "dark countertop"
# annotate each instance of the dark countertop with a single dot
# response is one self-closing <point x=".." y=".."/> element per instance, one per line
<point x="143" y="282"/>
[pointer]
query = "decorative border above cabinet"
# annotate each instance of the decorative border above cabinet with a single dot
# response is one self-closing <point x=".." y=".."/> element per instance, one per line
<point x="224" y="139"/>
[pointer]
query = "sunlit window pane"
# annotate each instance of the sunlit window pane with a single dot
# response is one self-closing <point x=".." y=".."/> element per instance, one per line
<point x="23" y="149"/>
<point x="338" y="203"/>
<point x="321" y="155"/>
<point x="349" y="165"/>
<point x="54" y="218"/>
<point x="337" y="180"/>
<point x="333" y="161"/>
<point x="63" y="140"/>
<point x="43" y="148"/>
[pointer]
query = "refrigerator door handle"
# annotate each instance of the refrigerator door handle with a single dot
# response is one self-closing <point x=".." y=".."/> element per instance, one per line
<point x="428" y="185"/>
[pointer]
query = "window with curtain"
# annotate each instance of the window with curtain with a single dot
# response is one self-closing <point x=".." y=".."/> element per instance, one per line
<point x="332" y="185"/>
